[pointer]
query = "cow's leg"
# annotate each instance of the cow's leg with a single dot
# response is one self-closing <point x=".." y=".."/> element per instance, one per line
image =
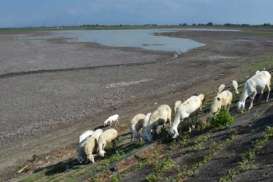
<point x="268" y="92"/>
<point x="252" y="99"/>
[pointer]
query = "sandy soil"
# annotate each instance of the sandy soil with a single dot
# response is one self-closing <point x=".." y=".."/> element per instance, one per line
<point x="53" y="90"/>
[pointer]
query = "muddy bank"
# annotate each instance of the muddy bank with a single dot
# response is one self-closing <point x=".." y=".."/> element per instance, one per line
<point x="42" y="111"/>
<point x="24" y="53"/>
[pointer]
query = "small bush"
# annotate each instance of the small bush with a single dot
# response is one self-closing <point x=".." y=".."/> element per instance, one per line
<point x="115" y="178"/>
<point x="151" y="178"/>
<point x="164" y="165"/>
<point x="223" y="118"/>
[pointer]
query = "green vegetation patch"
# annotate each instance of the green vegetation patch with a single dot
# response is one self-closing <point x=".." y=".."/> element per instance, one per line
<point x="223" y="118"/>
<point x="261" y="64"/>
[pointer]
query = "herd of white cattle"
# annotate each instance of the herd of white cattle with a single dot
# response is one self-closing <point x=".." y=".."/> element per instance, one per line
<point x="144" y="126"/>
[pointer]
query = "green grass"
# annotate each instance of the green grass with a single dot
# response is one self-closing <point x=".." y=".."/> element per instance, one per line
<point x="262" y="63"/>
<point x="214" y="148"/>
<point x="185" y="140"/>
<point x="248" y="158"/>
<point x="259" y="31"/>
<point x="90" y="171"/>
<point x="162" y="166"/>
<point x="115" y="178"/>
<point x="199" y="142"/>
<point x="159" y="166"/>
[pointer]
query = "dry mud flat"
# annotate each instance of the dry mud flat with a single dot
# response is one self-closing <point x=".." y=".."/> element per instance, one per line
<point x="49" y="98"/>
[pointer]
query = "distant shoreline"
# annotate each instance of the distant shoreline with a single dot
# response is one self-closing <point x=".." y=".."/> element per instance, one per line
<point x="119" y="27"/>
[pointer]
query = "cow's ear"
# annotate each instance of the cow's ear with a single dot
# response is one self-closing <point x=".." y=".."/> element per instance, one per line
<point x="218" y="98"/>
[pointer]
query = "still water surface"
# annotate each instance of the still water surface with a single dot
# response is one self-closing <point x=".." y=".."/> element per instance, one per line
<point x="143" y="38"/>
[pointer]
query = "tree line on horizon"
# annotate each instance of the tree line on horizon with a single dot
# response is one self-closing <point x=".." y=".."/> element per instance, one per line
<point x="183" y="24"/>
<point x="98" y="26"/>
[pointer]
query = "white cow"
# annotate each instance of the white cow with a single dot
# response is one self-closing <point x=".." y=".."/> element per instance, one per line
<point x="235" y="86"/>
<point x="185" y="110"/>
<point x="221" y="88"/>
<point x="107" y="137"/>
<point x="82" y="148"/>
<point x="85" y="135"/>
<point x="222" y="100"/>
<point x="112" y="119"/>
<point x="176" y="105"/>
<point x="256" y="84"/>
<point x="136" y="125"/>
<point x="161" y="116"/>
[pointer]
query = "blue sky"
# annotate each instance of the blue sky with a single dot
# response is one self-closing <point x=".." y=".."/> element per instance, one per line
<point x="18" y="13"/>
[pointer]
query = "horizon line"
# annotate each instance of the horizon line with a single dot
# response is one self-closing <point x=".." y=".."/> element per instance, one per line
<point x="265" y="24"/>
